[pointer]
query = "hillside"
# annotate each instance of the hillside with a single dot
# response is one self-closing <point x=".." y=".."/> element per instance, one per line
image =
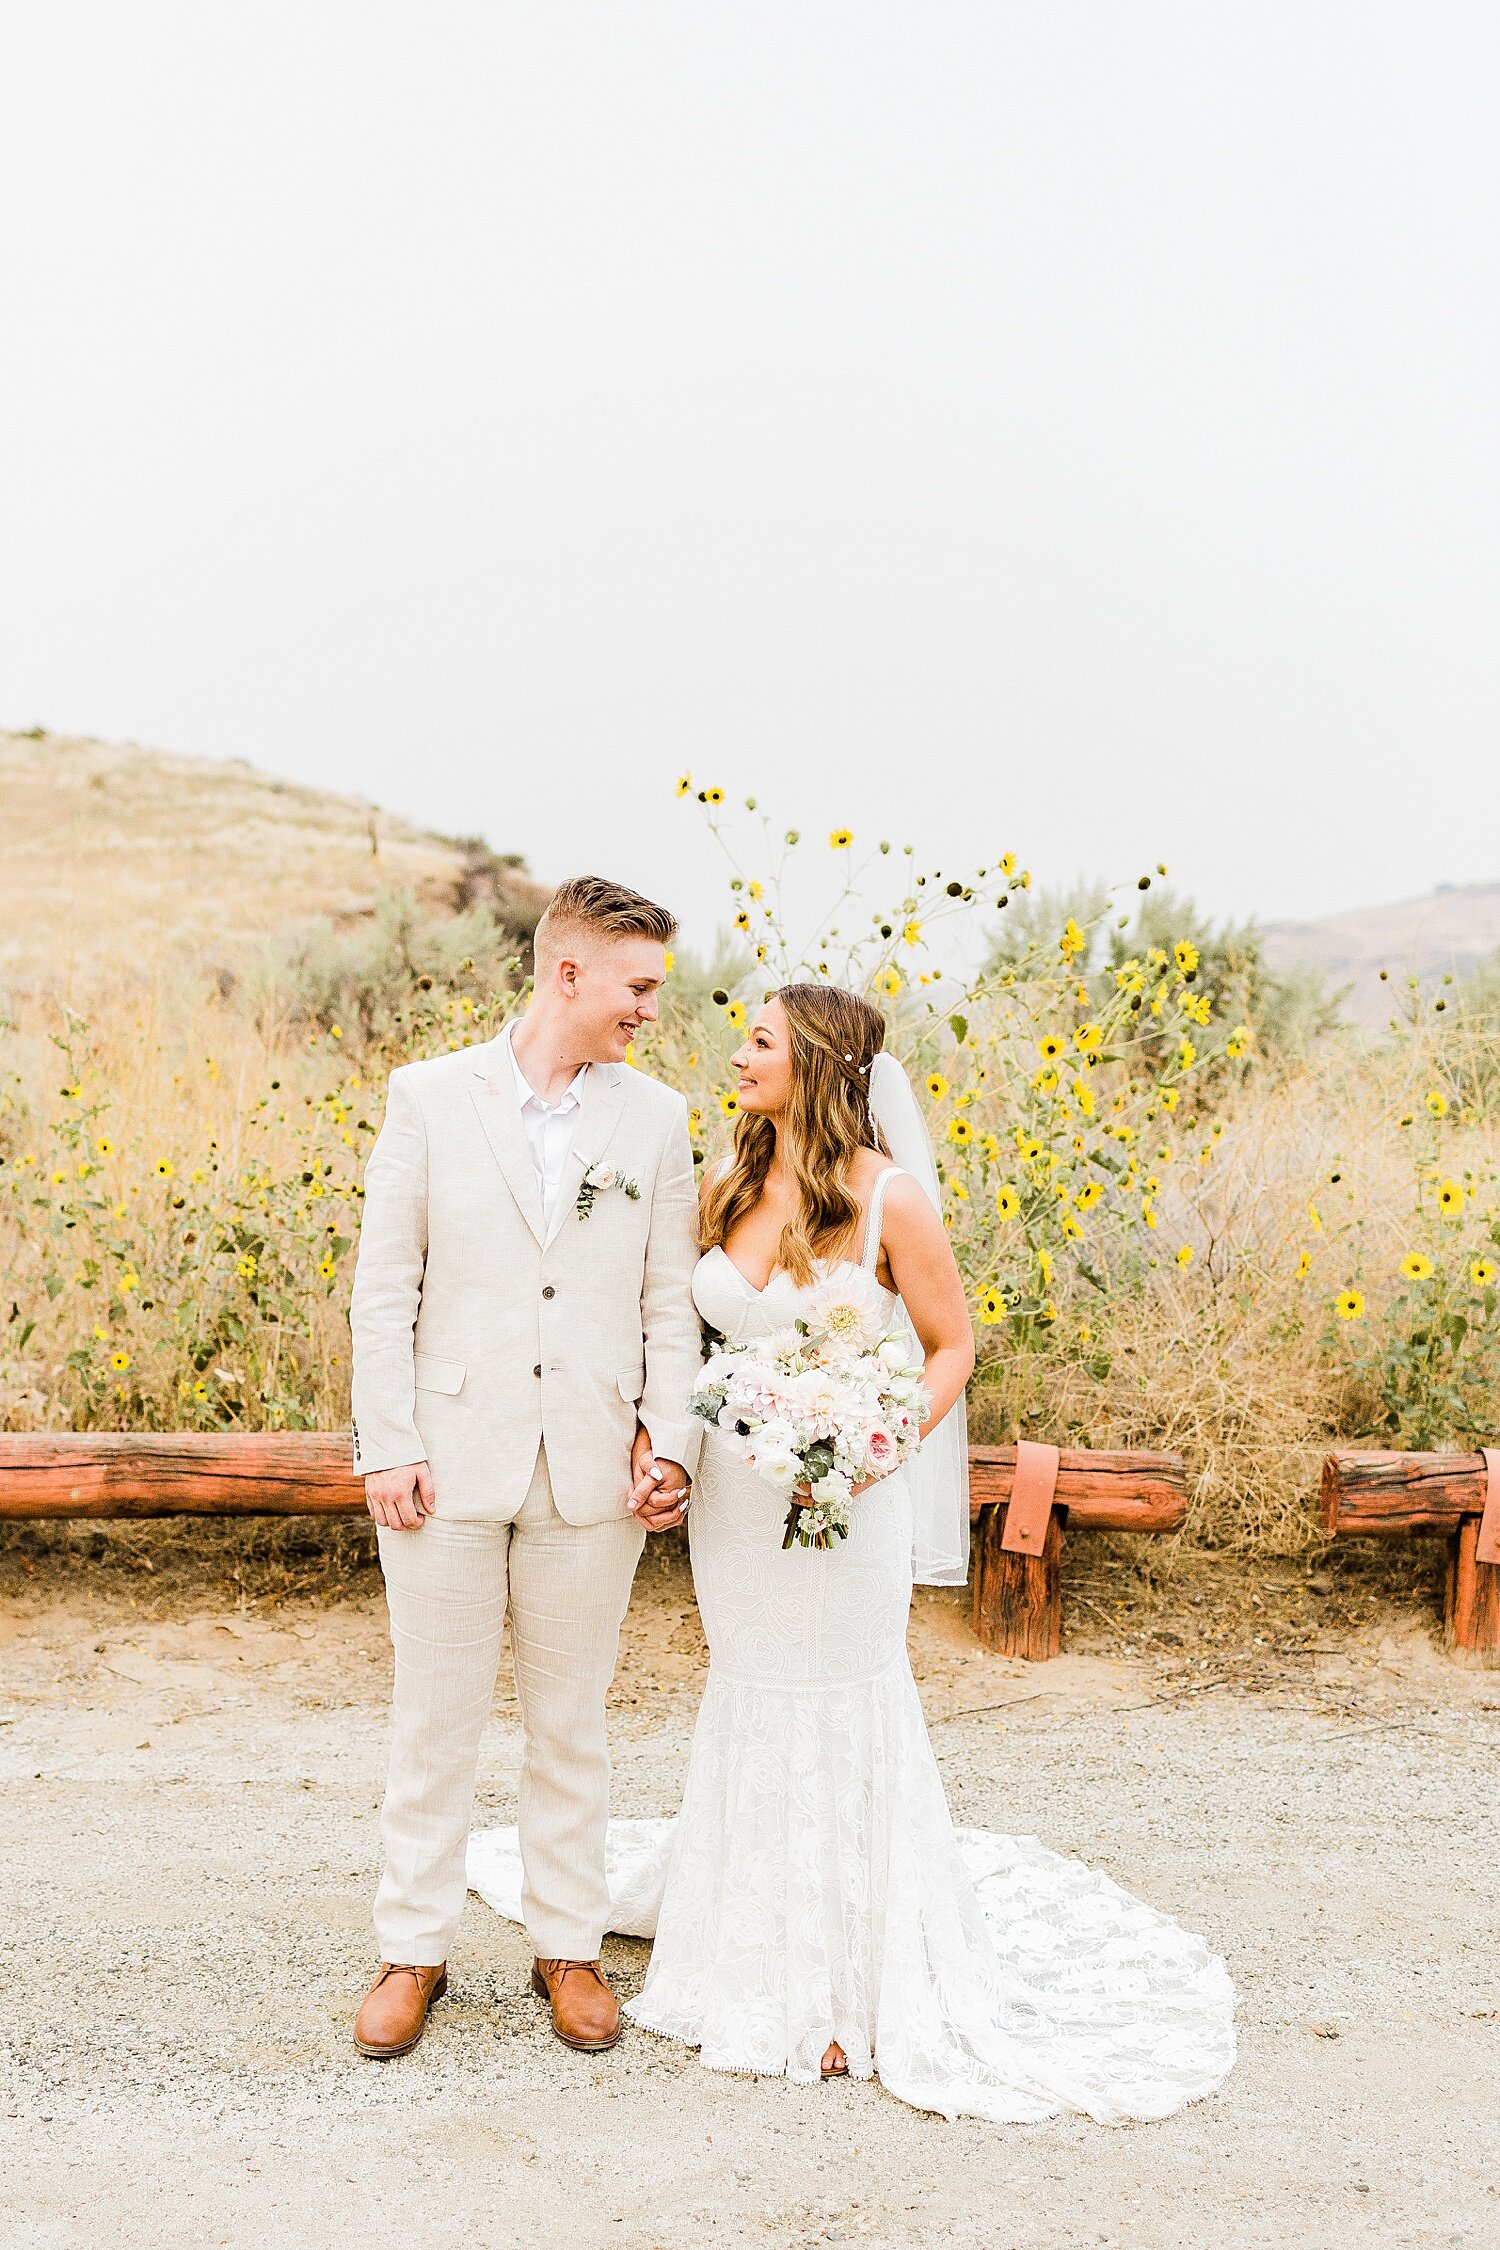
<point x="112" y="853"/>
<point x="1452" y="928"/>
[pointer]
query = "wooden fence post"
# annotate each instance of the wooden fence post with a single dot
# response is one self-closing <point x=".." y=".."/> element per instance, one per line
<point x="1378" y="1494"/>
<point x="1022" y="1498"/>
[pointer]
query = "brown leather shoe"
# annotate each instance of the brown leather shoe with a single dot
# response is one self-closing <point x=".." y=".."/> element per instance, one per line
<point x="585" y="2013"/>
<point x="393" y="2016"/>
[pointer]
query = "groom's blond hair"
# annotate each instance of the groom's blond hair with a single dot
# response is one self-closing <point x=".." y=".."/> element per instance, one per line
<point x="590" y="906"/>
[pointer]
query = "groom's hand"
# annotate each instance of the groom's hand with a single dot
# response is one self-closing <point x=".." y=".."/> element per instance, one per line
<point x="659" y="1489"/>
<point x="400" y="1499"/>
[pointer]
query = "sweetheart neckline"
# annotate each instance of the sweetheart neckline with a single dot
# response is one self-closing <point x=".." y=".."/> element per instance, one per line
<point x="779" y="1273"/>
<point x="775" y="1273"/>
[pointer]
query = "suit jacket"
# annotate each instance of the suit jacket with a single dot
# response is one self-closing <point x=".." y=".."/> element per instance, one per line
<point x="480" y="1333"/>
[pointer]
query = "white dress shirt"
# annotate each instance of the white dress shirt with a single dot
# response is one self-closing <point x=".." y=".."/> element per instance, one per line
<point x="549" y="1129"/>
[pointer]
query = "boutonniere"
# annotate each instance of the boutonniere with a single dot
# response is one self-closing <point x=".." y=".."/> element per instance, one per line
<point x="598" y="1180"/>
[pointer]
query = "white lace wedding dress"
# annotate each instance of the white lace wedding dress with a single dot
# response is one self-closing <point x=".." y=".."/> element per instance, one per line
<point x="813" y="1887"/>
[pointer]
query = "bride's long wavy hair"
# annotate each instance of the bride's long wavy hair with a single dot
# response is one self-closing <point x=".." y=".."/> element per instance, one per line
<point x="835" y="1036"/>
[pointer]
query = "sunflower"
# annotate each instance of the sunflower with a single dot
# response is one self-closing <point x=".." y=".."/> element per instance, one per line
<point x="710" y="796"/>
<point x="1438" y="1103"/>
<point x="912" y="934"/>
<point x="889" y="982"/>
<point x="960" y="1131"/>
<point x="840" y="839"/>
<point x="1482" y="1272"/>
<point x="1169" y="1097"/>
<point x="164" y="1168"/>
<point x="937" y="1085"/>
<point x="1072" y="1229"/>
<point x="1051" y="1047"/>
<point x="991" y="1306"/>
<point x="119" y="1361"/>
<point x="1185" y="954"/>
<point x="1238" y="1041"/>
<point x="736" y="1014"/>
<point x="1008" y="1203"/>
<point x="1187" y="1053"/>
<point x="742" y="920"/>
<point x="1089" y="1194"/>
<point x="1451" y="1198"/>
<point x="1349" y="1305"/>
<point x="684" y="784"/>
<point x="1029" y="1146"/>
<point x="1088" y="1038"/>
<point x="1184" y="1257"/>
<point x="1045" y="1082"/>
<point x="1304" y="1265"/>
<point x="1416" y="1267"/>
<point x="990" y="1146"/>
<point x="730" y="1104"/>
<point x="1083" y="1094"/>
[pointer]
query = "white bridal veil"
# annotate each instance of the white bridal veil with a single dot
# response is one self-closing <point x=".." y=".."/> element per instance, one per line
<point x="939" y="1476"/>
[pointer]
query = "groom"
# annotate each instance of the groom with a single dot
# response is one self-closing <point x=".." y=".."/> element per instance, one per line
<point x="524" y="1347"/>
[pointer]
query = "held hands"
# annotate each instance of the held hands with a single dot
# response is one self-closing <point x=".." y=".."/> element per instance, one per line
<point x="400" y="1499"/>
<point x="660" y="1490"/>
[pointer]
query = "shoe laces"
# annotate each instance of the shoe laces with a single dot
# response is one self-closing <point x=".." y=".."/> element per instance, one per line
<point x="561" y="1969"/>
<point x="415" y="1969"/>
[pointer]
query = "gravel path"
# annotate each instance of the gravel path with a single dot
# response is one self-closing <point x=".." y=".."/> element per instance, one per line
<point x="190" y="1848"/>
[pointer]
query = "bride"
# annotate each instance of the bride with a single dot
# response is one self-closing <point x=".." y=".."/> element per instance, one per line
<point x="815" y="1913"/>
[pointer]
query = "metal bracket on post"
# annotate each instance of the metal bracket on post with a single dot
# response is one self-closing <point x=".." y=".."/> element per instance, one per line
<point x="1487" y="1544"/>
<point x="1033" y="1486"/>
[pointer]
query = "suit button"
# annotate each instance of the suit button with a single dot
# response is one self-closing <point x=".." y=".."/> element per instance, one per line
<point x="549" y="1291"/>
<point x="536" y="1371"/>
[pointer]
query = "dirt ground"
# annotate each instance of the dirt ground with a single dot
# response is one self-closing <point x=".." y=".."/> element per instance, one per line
<point x="192" y="1740"/>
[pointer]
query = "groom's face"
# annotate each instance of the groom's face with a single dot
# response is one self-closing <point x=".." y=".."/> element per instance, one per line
<point x="611" y="988"/>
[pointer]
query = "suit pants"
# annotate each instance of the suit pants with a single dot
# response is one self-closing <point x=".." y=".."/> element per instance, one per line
<point x="448" y="1586"/>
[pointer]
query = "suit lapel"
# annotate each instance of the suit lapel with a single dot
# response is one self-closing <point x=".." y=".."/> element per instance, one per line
<point x="603" y="1099"/>
<point x="493" y="1088"/>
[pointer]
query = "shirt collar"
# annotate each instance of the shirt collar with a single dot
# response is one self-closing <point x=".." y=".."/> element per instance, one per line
<point x="571" y="1096"/>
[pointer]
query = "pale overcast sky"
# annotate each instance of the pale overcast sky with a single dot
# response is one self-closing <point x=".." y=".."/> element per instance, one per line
<point x="1067" y="425"/>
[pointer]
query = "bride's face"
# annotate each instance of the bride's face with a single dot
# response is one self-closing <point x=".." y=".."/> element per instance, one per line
<point x="764" y="1063"/>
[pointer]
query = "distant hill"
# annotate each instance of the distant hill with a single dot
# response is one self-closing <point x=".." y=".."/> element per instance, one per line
<point x="109" y="852"/>
<point x="1454" y="928"/>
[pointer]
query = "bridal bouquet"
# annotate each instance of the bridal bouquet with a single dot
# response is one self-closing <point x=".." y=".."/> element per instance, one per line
<point x="826" y="1403"/>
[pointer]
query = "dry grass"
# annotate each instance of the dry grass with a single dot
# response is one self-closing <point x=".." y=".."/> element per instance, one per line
<point x="115" y="858"/>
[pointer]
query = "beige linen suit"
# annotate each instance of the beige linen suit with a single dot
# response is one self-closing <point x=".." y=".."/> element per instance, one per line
<point x="514" y="1355"/>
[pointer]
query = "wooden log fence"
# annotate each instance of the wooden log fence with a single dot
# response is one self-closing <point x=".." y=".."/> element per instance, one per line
<point x="1385" y="1494"/>
<point x="1021" y="1499"/>
<point x="259" y="1473"/>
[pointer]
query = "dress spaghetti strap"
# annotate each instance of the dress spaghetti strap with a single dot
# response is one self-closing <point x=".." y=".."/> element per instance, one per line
<point x="870" y="1255"/>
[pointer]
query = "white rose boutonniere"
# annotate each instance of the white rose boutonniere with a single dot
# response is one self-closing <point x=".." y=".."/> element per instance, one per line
<point x="598" y="1180"/>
